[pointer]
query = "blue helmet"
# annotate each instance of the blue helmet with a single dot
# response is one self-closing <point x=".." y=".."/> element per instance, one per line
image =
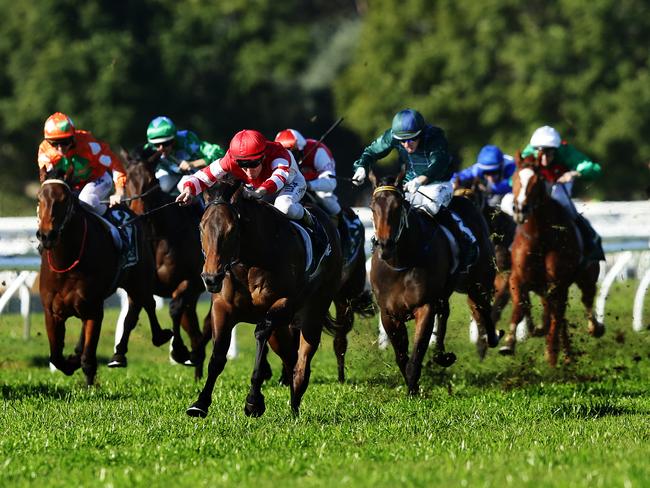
<point x="407" y="124"/>
<point x="489" y="159"/>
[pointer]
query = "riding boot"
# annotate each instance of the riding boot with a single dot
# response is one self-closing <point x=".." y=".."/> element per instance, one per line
<point x="307" y="221"/>
<point x="591" y="240"/>
<point x="468" y="249"/>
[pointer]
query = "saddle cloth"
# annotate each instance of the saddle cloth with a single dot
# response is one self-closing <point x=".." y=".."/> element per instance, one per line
<point x="124" y="237"/>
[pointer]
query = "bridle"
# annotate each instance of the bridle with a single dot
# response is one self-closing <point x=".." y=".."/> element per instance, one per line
<point x="403" y="220"/>
<point x="66" y="218"/>
<point x="220" y="275"/>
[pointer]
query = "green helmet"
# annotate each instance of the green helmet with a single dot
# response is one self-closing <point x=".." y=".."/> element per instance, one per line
<point x="161" y="129"/>
<point x="407" y="124"/>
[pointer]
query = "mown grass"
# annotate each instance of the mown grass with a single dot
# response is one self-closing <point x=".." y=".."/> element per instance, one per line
<point x="503" y="422"/>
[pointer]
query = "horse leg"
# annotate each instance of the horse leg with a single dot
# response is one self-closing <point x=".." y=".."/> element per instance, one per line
<point x="501" y="296"/>
<point x="586" y="281"/>
<point x="442" y="358"/>
<point x="179" y="352"/>
<point x="190" y="322"/>
<point x="222" y="326"/>
<point x="92" y="327"/>
<point x="479" y="299"/>
<point x="255" y="406"/>
<point x="283" y="342"/>
<point x="397" y="334"/>
<point x="557" y="299"/>
<point x="345" y="317"/>
<point x="520" y="308"/>
<point x="309" y="342"/>
<point x="55" y="327"/>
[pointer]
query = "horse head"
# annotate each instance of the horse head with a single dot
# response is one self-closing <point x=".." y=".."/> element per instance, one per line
<point x="140" y="175"/>
<point x="389" y="215"/>
<point x="221" y="236"/>
<point x="55" y="209"/>
<point x="528" y="187"/>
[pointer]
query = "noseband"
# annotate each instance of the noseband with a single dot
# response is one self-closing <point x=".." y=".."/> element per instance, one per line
<point x="403" y="219"/>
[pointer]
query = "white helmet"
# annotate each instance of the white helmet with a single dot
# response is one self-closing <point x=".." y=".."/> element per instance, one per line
<point x="545" y="136"/>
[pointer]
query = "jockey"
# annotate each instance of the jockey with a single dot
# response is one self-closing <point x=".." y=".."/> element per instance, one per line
<point x="318" y="167"/>
<point x="494" y="169"/>
<point x="181" y="153"/>
<point x="92" y="164"/>
<point x="422" y="149"/>
<point x="561" y="165"/>
<point x="269" y="168"/>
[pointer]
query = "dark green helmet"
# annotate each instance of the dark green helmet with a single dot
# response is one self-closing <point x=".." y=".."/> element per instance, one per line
<point x="407" y="124"/>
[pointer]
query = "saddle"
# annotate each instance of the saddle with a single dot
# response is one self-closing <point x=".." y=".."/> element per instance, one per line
<point x="118" y="222"/>
<point x="317" y="246"/>
<point x="350" y="229"/>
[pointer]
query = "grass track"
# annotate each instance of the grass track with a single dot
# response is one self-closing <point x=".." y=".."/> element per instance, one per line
<point x="503" y="422"/>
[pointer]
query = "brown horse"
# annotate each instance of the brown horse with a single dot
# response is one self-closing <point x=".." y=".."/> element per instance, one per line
<point x="352" y="297"/>
<point x="502" y="233"/>
<point x="546" y="259"/>
<point x="412" y="277"/>
<point x="80" y="268"/>
<point x="173" y="234"/>
<point x="255" y="269"/>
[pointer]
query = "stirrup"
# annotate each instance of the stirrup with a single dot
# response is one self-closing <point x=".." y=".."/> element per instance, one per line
<point x="307" y="221"/>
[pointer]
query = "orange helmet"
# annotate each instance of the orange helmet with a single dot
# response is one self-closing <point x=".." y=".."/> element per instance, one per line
<point x="58" y="126"/>
<point x="291" y="139"/>
<point x="247" y="144"/>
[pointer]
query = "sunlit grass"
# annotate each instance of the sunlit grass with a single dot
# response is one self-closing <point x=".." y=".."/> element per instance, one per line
<point x="505" y="421"/>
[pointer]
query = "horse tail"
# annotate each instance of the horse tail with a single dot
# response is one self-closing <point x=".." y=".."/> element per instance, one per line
<point x="363" y="305"/>
<point x="333" y="326"/>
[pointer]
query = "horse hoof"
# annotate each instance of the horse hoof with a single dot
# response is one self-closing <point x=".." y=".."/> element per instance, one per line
<point x="445" y="359"/>
<point x="493" y="340"/>
<point x="507" y="351"/>
<point x="117" y="361"/>
<point x="181" y="356"/>
<point x="196" y="410"/>
<point x="538" y="332"/>
<point x="597" y="331"/>
<point x="254" y="410"/>
<point x="162" y="337"/>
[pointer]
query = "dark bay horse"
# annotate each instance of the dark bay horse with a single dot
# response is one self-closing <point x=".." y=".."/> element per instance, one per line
<point x="173" y="234"/>
<point x="80" y="267"/>
<point x="352" y="297"/>
<point x="502" y="232"/>
<point x="546" y="259"/>
<point x="255" y="269"/>
<point x="411" y="277"/>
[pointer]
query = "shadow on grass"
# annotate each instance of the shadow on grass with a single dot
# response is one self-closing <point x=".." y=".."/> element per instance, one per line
<point x="44" y="361"/>
<point x="30" y="390"/>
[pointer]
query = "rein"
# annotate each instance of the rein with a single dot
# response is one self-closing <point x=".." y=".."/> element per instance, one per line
<point x="81" y="252"/>
<point x="136" y="197"/>
<point x="146" y="214"/>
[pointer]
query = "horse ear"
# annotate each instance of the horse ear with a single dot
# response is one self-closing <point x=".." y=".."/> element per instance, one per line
<point x="400" y="176"/>
<point x="373" y="178"/>
<point x="126" y="157"/>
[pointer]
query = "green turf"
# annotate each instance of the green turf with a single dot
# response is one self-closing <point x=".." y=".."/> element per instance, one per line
<point x="504" y="422"/>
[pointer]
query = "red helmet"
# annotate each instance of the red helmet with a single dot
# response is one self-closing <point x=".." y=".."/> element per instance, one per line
<point x="247" y="144"/>
<point x="291" y="139"/>
<point x="58" y="126"/>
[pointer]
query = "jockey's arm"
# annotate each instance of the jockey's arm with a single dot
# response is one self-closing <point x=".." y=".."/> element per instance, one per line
<point x="326" y="168"/>
<point x="201" y="180"/>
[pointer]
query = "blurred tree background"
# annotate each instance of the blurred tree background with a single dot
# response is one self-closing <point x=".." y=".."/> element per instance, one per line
<point x="486" y="72"/>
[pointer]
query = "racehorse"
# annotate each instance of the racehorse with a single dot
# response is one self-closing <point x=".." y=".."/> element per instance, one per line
<point x="255" y="268"/>
<point x="412" y="276"/>
<point x="80" y="267"/>
<point x="502" y="233"/>
<point x="173" y="234"/>
<point x="352" y="297"/>
<point x="546" y="259"/>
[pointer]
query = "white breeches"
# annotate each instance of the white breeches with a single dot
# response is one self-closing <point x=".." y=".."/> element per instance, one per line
<point x="288" y="199"/>
<point x="96" y="191"/>
<point x="561" y="193"/>
<point x="330" y="201"/>
<point x="439" y="195"/>
<point x="508" y="204"/>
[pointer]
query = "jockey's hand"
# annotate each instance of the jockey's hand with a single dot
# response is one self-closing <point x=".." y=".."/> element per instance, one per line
<point x="568" y="177"/>
<point x="185" y="166"/>
<point x="185" y="198"/>
<point x="359" y="177"/>
<point x="251" y="194"/>
<point x="413" y="185"/>
<point x="115" y="199"/>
